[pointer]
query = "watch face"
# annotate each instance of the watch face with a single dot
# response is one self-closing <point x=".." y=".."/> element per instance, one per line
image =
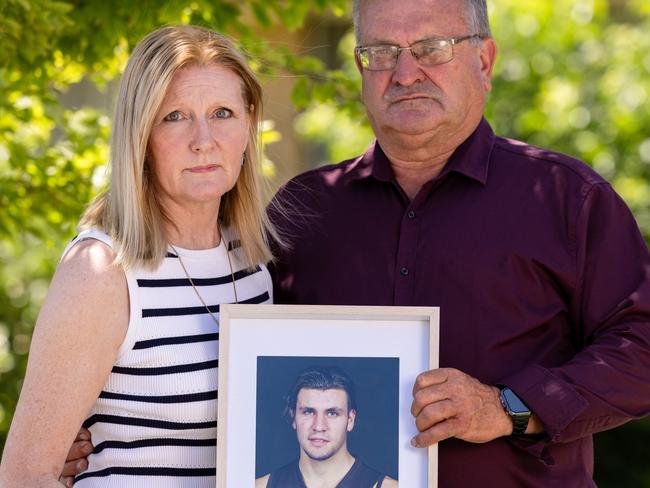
<point x="515" y="405"/>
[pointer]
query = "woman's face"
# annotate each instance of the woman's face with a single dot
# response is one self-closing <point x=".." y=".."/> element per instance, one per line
<point x="199" y="137"/>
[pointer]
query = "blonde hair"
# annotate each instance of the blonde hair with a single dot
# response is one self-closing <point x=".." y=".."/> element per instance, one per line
<point x="129" y="211"/>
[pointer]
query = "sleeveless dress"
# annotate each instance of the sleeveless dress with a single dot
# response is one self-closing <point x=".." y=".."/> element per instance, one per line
<point x="155" y="421"/>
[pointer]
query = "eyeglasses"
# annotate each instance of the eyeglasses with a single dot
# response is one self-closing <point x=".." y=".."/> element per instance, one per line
<point x="428" y="52"/>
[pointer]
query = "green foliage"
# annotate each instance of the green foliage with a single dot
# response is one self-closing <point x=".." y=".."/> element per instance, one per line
<point x="53" y="159"/>
<point x="572" y="75"/>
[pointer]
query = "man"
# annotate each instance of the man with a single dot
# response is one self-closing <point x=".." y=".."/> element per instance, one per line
<point x="538" y="266"/>
<point x="322" y="409"/>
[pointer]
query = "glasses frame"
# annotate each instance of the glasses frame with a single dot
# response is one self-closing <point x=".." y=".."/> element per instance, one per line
<point x="359" y="50"/>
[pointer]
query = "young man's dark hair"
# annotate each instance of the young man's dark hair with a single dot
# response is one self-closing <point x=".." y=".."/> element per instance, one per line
<point x="320" y="378"/>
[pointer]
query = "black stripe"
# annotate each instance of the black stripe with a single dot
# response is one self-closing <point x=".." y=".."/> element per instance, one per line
<point x="140" y="422"/>
<point x="180" y="368"/>
<point x="171" y="255"/>
<point x="195" y="472"/>
<point x="164" y="283"/>
<point x="190" y="397"/>
<point x="154" y="443"/>
<point x="168" y="312"/>
<point x="258" y="299"/>
<point x="164" y="341"/>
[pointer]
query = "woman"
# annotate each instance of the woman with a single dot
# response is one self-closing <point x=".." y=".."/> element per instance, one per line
<point x="127" y="339"/>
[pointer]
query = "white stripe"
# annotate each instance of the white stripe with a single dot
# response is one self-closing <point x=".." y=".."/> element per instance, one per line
<point x="168" y="384"/>
<point x="148" y="481"/>
<point x="158" y="456"/>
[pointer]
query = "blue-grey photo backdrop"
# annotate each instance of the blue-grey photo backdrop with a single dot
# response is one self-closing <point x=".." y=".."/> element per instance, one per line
<point x="375" y="436"/>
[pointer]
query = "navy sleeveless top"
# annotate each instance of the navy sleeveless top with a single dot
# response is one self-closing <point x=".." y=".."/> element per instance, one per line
<point x="359" y="476"/>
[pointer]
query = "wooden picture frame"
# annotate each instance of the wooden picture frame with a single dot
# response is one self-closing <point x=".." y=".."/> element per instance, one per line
<point x="262" y="348"/>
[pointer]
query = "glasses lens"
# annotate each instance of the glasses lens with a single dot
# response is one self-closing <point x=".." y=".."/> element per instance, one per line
<point x="432" y="52"/>
<point x="363" y="57"/>
<point x="381" y="57"/>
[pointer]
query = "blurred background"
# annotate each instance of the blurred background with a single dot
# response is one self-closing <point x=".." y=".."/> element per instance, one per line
<point x="572" y="75"/>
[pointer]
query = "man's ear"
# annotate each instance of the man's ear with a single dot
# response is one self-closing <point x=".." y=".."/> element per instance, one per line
<point x="488" y="58"/>
<point x="352" y="415"/>
<point x="293" y="419"/>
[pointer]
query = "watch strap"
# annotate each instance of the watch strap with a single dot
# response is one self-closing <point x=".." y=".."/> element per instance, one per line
<point x="519" y="424"/>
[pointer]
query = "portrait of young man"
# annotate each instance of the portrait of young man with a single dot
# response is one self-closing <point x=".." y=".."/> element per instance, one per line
<point x="321" y="408"/>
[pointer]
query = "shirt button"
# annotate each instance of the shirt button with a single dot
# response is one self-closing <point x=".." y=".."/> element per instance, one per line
<point x="411" y="214"/>
<point x="404" y="271"/>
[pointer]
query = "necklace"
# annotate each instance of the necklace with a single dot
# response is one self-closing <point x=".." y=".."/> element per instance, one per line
<point x="232" y="275"/>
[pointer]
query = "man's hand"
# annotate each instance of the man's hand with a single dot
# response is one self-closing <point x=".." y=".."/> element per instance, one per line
<point x="76" y="461"/>
<point x="449" y="403"/>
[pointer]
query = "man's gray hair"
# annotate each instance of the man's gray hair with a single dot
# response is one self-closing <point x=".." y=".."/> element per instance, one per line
<point x="477" y="18"/>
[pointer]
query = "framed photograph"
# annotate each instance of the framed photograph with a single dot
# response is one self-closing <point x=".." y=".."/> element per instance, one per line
<point x="307" y="391"/>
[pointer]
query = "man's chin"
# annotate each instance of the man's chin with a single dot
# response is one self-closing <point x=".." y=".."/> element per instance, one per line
<point x="319" y="456"/>
<point x="409" y="124"/>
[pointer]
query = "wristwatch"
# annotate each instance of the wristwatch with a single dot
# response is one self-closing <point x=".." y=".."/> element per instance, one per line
<point x="516" y="410"/>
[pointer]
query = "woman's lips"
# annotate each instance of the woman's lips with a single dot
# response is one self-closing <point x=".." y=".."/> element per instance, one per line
<point x="203" y="169"/>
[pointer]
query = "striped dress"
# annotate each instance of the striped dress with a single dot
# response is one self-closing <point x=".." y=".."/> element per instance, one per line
<point x="155" y="421"/>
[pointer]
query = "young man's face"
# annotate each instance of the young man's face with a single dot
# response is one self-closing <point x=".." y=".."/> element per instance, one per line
<point x="322" y="422"/>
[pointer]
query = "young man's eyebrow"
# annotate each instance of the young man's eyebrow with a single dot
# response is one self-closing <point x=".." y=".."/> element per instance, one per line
<point x="334" y="410"/>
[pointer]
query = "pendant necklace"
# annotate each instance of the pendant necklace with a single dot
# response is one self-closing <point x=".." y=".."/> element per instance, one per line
<point x="232" y="275"/>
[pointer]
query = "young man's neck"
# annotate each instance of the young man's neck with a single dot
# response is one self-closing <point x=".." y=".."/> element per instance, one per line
<point x="326" y="473"/>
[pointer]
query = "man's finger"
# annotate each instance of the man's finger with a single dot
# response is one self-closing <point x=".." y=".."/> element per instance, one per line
<point x="83" y="435"/>
<point x="79" y="450"/>
<point x="439" y="432"/>
<point x="73" y="468"/>
<point x="66" y="481"/>
<point x="435" y="413"/>
<point x="429" y="378"/>
<point x="426" y="396"/>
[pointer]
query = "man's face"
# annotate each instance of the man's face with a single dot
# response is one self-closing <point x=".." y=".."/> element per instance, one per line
<point x="411" y="99"/>
<point x="322" y="422"/>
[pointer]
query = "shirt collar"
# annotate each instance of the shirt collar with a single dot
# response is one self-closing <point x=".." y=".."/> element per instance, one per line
<point x="471" y="158"/>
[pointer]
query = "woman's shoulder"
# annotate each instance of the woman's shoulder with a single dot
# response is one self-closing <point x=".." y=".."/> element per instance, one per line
<point x="88" y="297"/>
<point x="89" y="262"/>
<point x="86" y="237"/>
<point x="91" y="250"/>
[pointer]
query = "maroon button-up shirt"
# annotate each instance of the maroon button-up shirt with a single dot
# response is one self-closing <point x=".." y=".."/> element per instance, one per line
<point x="541" y="273"/>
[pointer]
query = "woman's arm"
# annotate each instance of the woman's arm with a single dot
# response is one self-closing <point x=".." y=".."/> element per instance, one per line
<point x="77" y="335"/>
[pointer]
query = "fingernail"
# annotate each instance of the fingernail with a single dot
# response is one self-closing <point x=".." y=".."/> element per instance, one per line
<point x="84" y="436"/>
<point x="87" y="448"/>
<point x="414" y="442"/>
<point x="82" y="466"/>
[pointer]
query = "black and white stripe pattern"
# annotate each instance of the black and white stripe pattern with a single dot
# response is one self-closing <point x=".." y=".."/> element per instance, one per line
<point x="154" y="423"/>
